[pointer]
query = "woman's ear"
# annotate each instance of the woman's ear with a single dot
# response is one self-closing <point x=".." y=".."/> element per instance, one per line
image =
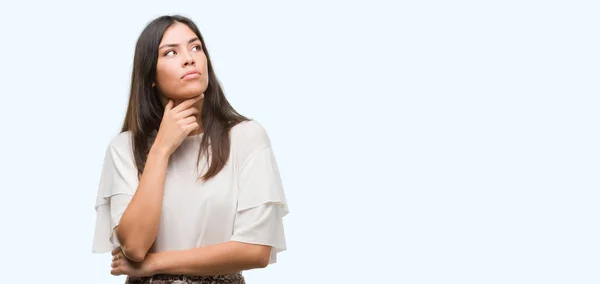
<point x="153" y="85"/>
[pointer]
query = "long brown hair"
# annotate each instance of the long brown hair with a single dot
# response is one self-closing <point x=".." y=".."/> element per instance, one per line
<point x="145" y="110"/>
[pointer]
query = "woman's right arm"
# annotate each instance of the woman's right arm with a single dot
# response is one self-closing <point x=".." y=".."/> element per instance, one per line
<point x="139" y="224"/>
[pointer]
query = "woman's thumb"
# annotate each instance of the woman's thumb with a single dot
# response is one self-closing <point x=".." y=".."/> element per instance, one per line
<point x="169" y="105"/>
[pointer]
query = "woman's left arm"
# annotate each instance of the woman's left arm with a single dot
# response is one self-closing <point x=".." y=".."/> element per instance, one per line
<point x="258" y="226"/>
<point x="224" y="258"/>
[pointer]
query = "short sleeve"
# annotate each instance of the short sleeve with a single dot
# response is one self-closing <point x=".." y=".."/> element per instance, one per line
<point x="261" y="203"/>
<point x="118" y="182"/>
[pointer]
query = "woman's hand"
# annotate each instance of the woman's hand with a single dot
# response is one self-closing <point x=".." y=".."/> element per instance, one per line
<point x="121" y="265"/>
<point x="177" y="123"/>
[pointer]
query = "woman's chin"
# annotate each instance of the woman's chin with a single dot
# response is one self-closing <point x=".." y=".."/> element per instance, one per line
<point x="193" y="91"/>
<point x="188" y="94"/>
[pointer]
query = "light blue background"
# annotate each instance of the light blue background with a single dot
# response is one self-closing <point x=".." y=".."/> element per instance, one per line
<point x="419" y="141"/>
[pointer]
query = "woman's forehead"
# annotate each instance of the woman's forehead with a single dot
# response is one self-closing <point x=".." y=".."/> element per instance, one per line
<point x="178" y="33"/>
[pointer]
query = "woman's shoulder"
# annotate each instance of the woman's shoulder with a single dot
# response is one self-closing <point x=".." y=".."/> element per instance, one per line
<point x="247" y="137"/>
<point x="121" y="142"/>
<point x="250" y="132"/>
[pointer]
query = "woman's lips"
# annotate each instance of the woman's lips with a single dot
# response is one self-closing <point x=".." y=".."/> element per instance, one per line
<point x="191" y="76"/>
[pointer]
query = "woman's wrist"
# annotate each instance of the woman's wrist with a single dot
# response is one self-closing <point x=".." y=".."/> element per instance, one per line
<point x="153" y="263"/>
<point x="159" y="151"/>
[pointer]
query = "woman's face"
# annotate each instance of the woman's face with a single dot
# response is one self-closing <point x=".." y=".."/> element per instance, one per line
<point x="181" y="70"/>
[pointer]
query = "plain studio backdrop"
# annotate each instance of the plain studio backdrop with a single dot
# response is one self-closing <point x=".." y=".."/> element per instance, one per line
<point x="418" y="141"/>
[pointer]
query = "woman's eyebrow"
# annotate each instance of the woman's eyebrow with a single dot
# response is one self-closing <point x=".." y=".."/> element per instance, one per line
<point x="174" y="44"/>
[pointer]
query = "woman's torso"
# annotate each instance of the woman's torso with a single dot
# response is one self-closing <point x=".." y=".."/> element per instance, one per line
<point x="195" y="213"/>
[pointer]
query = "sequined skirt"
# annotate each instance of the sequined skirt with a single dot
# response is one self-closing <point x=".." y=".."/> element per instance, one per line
<point x="235" y="278"/>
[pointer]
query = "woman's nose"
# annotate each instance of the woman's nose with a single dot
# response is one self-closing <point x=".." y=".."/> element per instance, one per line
<point x="188" y="60"/>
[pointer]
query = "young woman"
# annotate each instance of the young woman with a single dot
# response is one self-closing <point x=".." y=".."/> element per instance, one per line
<point x="190" y="190"/>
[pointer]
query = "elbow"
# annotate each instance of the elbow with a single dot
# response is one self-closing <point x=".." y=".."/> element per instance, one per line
<point x="262" y="262"/>
<point x="262" y="257"/>
<point x="134" y="254"/>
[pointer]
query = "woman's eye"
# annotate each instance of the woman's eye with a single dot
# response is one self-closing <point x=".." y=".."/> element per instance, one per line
<point x="197" y="47"/>
<point x="169" y="52"/>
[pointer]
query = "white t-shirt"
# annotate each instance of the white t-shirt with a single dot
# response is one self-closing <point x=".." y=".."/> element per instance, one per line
<point x="244" y="202"/>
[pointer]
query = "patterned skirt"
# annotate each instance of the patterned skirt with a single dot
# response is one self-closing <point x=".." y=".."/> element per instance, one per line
<point x="235" y="278"/>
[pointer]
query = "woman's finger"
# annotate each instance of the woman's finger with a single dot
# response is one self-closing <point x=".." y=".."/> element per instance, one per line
<point x="192" y="126"/>
<point x="188" y="112"/>
<point x="169" y="105"/>
<point x="187" y="103"/>
<point x="188" y="120"/>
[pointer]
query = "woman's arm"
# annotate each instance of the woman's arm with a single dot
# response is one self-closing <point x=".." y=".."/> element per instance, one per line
<point x="139" y="224"/>
<point x="224" y="258"/>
